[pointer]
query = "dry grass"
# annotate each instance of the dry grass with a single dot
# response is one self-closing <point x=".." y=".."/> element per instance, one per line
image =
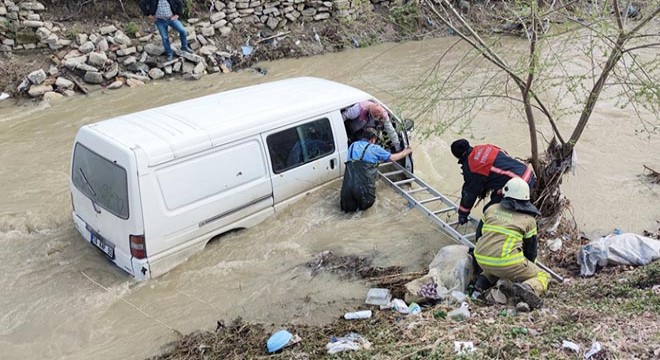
<point x="618" y="308"/>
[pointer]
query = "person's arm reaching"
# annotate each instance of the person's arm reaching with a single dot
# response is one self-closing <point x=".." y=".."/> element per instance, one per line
<point x="400" y="155"/>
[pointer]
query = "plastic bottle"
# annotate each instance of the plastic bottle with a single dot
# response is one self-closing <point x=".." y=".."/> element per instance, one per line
<point x="364" y="314"/>
<point x="461" y="313"/>
<point x="414" y="308"/>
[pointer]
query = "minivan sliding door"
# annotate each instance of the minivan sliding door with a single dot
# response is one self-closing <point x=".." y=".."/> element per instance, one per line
<point x="302" y="157"/>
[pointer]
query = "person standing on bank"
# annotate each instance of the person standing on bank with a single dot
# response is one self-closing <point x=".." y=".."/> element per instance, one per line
<point x="358" y="189"/>
<point x="166" y="13"/>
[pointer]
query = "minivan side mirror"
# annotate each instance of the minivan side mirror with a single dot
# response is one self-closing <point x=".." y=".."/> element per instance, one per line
<point x="409" y="124"/>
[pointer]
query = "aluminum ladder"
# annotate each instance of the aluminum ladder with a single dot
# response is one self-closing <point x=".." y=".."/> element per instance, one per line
<point x="435" y="205"/>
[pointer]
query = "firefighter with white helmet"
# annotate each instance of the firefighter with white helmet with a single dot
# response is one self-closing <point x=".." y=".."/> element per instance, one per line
<point x="507" y="248"/>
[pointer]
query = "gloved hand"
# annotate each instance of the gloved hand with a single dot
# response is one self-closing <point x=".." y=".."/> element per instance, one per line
<point x="463" y="217"/>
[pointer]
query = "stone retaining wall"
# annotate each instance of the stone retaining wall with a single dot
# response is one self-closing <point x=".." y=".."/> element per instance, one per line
<point x="110" y="57"/>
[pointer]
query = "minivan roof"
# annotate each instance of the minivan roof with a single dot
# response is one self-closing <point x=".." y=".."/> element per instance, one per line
<point x="179" y="129"/>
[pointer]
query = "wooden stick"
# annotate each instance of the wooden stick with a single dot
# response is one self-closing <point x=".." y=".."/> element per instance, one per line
<point x="274" y="36"/>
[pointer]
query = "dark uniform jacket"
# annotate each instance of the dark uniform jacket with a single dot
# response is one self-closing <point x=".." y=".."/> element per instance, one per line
<point x="149" y="7"/>
<point x="488" y="168"/>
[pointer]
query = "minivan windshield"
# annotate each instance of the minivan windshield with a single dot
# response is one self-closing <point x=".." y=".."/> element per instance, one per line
<point x="101" y="180"/>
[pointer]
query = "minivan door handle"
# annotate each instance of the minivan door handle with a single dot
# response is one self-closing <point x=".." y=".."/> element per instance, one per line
<point x="332" y="163"/>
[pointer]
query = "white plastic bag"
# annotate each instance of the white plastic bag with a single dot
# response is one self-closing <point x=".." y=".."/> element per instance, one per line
<point x="450" y="270"/>
<point x="623" y="249"/>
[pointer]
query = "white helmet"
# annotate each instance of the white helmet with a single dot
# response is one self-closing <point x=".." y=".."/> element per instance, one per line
<point x="516" y="188"/>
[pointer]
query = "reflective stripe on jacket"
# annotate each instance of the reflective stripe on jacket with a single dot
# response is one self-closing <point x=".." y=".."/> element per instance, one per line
<point x="503" y="234"/>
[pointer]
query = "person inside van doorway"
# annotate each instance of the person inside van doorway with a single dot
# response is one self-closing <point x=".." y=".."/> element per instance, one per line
<point x="358" y="189"/>
<point x="369" y="114"/>
<point x="166" y="13"/>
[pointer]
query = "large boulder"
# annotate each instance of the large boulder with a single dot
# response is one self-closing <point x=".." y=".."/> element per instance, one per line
<point x="112" y="72"/>
<point x="37" y="77"/>
<point x="38" y="90"/>
<point x="93" y="77"/>
<point x="97" y="59"/>
<point x="86" y="47"/>
<point x="63" y="83"/>
<point x="105" y="30"/>
<point x="52" y="96"/>
<point x="153" y="49"/>
<point x="32" y="5"/>
<point x="156" y="73"/>
<point x="121" y="38"/>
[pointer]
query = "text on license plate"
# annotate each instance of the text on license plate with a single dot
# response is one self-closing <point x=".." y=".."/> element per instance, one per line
<point x="105" y="247"/>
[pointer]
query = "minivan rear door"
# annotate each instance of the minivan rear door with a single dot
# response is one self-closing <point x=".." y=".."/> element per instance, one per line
<point x="102" y="188"/>
<point x="302" y="156"/>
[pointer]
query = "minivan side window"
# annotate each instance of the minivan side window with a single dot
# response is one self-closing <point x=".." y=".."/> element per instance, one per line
<point x="299" y="145"/>
<point x="101" y="180"/>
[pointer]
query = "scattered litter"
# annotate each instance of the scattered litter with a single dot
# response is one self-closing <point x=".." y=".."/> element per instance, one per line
<point x="278" y="341"/>
<point x="554" y="244"/>
<point x="350" y="342"/>
<point x="656" y="289"/>
<point x="364" y="314"/>
<point x="458" y="296"/>
<point x="623" y="249"/>
<point x="461" y="313"/>
<point x="356" y="43"/>
<point x="4" y="95"/>
<point x="450" y="270"/>
<point x="570" y="345"/>
<point x="595" y="349"/>
<point x="400" y="306"/>
<point x="463" y="347"/>
<point x="377" y="296"/>
<point x="414" y="308"/>
<point x="247" y="50"/>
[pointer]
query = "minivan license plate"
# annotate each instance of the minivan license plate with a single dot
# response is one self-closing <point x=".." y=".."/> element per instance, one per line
<point x="107" y="249"/>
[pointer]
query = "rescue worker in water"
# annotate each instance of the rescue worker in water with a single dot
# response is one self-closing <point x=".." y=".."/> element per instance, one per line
<point x="358" y="189"/>
<point x="508" y="247"/>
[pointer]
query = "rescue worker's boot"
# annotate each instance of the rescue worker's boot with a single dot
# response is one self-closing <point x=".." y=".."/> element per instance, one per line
<point x="528" y="295"/>
<point x="524" y="292"/>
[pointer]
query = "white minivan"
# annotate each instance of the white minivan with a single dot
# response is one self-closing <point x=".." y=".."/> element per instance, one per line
<point x="151" y="188"/>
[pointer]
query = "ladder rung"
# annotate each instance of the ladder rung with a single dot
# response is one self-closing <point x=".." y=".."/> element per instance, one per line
<point x="407" y="181"/>
<point x="417" y="190"/>
<point x="430" y="199"/>
<point x="397" y="172"/>
<point x="471" y="235"/>
<point x="453" y="223"/>
<point x="444" y="210"/>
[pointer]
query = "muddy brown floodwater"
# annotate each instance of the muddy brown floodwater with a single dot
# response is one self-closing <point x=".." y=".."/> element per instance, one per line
<point x="53" y="305"/>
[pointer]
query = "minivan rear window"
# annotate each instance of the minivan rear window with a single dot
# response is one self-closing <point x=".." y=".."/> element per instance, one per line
<point x="101" y="180"/>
